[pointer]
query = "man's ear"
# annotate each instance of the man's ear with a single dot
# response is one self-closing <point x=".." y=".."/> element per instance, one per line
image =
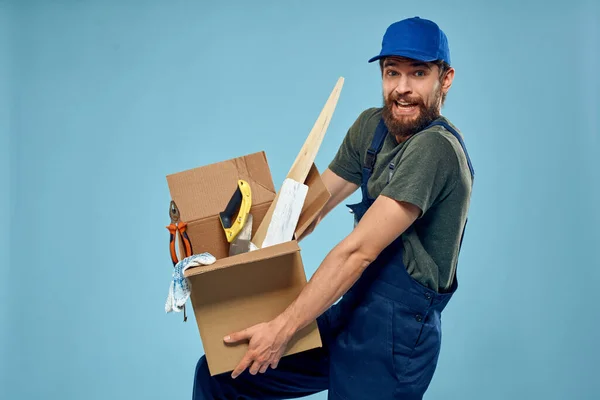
<point x="447" y="80"/>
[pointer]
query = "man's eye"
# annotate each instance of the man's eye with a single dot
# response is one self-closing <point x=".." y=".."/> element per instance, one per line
<point x="391" y="73"/>
<point x="420" y="73"/>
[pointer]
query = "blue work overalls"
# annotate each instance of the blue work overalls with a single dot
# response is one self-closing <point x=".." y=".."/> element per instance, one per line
<point x="380" y="341"/>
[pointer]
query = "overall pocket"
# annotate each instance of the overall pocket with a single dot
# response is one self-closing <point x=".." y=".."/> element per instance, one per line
<point x="407" y="328"/>
<point x="417" y="342"/>
<point x="362" y="355"/>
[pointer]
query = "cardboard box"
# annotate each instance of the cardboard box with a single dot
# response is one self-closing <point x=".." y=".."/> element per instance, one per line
<point x="246" y="289"/>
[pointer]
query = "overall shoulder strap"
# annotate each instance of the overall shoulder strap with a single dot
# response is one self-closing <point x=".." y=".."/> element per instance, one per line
<point x="373" y="150"/>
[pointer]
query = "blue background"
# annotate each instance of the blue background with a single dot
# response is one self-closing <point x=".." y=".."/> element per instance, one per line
<point x="99" y="100"/>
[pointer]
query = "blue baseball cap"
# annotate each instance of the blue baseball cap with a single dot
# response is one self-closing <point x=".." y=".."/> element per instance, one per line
<point x="416" y="38"/>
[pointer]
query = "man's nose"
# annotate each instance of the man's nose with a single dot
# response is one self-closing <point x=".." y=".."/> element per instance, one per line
<point x="403" y="86"/>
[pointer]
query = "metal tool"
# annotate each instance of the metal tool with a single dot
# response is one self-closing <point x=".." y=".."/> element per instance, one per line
<point x="238" y="227"/>
<point x="175" y="226"/>
<point x="178" y="226"/>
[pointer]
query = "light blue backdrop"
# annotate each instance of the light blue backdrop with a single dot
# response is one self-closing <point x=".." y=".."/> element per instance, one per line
<point x="101" y="99"/>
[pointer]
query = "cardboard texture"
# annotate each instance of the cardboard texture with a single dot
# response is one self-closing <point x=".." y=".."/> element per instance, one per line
<point x="239" y="291"/>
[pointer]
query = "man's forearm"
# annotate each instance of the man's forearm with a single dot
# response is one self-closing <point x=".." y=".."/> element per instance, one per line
<point x="340" y="269"/>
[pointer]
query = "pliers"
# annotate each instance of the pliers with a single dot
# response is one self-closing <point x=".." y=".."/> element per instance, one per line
<point x="178" y="225"/>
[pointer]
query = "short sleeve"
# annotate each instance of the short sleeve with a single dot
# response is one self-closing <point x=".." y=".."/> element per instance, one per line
<point x="347" y="163"/>
<point x="425" y="172"/>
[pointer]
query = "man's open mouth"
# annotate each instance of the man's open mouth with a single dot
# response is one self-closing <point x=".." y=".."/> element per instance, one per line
<point x="405" y="108"/>
<point x="405" y="105"/>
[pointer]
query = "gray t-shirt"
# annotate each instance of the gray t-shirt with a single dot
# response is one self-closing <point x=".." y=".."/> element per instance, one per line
<point x="430" y="171"/>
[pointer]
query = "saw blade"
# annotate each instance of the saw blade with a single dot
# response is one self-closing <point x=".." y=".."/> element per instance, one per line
<point x="241" y="244"/>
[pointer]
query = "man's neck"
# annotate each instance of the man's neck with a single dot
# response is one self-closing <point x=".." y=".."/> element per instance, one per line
<point x="401" y="138"/>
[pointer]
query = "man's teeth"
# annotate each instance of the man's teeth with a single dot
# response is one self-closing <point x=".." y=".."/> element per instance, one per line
<point x="402" y="104"/>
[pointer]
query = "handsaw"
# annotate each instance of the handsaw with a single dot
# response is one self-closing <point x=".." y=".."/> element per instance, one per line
<point x="237" y="220"/>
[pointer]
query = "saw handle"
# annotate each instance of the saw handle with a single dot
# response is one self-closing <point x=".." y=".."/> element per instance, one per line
<point x="242" y="201"/>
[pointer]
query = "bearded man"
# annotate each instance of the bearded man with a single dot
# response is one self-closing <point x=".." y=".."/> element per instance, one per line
<point x="396" y="270"/>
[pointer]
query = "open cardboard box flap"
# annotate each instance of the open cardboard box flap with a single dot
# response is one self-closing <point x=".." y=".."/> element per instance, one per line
<point x="242" y="290"/>
<point x="205" y="191"/>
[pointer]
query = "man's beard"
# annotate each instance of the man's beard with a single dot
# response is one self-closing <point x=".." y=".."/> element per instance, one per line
<point x="403" y="130"/>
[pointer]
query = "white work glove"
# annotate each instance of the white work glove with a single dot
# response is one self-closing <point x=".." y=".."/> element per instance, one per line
<point x="179" y="290"/>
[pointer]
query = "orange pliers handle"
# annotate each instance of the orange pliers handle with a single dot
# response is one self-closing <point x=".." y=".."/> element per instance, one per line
<point x="175" y="226"/>
<point x="178" y="226"/>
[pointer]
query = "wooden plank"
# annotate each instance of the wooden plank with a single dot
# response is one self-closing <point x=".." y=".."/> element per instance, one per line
<point x="308" y="153"/>
<point x="305" y="158"/>
<point x="286" y="213"/>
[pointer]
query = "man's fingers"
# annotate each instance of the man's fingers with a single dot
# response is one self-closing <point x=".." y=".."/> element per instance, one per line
<point x="245" y="363"/>
<point x="255" y="368"/>
<point x="263" y="369"/>
<point x="275" y="363"/>
<point x="238" y="336"/>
